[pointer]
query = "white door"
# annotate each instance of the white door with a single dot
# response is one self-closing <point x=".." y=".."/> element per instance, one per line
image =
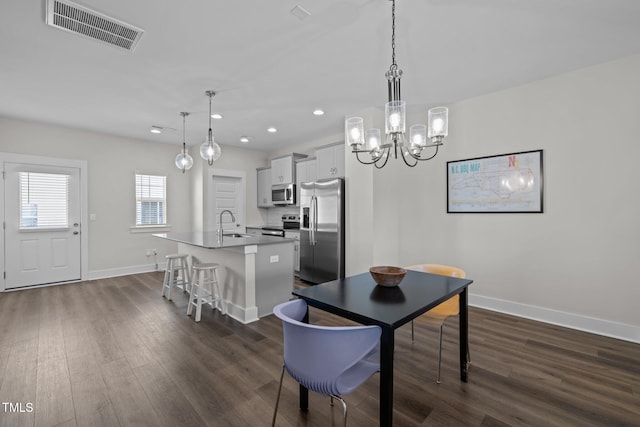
<point x="42" y="224"/>
<point x="228" y="194"/>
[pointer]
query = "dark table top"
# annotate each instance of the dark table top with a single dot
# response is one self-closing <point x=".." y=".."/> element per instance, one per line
<point x="360" y="299"/>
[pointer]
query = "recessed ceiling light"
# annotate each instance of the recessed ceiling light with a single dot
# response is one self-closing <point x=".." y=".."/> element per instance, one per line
<point x="216" y="116"/>
<point x="318" y="112"/>
<point x="272" y="130"/>
<point x="244" y="139"/>
<point x="156" y="129"/>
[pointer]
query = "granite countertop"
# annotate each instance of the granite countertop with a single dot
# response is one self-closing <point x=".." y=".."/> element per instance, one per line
<point x="209" y="239"/>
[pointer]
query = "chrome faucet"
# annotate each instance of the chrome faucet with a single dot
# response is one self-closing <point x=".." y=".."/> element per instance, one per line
<point x="233" y="218"/>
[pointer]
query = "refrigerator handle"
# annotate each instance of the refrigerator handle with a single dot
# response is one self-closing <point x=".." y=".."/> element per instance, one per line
<point x="315" y="220"/>
<point x="313" y="227"/>
<point x="311" y="221"/>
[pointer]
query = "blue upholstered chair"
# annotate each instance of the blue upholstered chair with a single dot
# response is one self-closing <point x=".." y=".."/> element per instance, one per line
<point x="329" y="360"/>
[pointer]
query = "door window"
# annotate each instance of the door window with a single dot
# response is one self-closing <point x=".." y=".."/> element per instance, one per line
<point x="44" y="200"/>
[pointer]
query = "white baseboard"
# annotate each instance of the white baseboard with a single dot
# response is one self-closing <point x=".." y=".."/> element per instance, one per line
<point x="593" y="325"/>
<point x="242" y="315"/>
<point x="124" y="271"/>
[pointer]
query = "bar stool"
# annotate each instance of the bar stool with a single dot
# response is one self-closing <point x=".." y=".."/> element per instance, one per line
<point x="205" y="288"/>
<point x="176" y="274"/>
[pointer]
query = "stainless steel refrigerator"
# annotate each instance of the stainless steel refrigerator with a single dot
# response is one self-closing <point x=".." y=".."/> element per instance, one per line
<point x="322" y="230"/>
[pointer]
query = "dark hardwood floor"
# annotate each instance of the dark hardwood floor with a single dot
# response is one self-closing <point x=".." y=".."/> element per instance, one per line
<point x="113" y="352"/>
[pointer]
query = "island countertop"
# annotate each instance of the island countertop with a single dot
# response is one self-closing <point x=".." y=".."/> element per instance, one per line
<point x="209" y="239"/>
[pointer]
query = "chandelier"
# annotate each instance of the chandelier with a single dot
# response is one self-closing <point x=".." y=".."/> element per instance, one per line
<point x="209" y="150"/>
<point x="183" y="160"/>
<point x="420" y="138"/>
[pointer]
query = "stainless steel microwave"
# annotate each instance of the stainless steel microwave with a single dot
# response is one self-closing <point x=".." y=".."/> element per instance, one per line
<point x="283" y="194"/>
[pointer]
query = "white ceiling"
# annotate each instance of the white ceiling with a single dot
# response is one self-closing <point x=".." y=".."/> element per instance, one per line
<point x="270" y="68"/>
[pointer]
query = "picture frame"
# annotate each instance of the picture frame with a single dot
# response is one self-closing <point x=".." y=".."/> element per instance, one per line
<point x="503" y="183"/>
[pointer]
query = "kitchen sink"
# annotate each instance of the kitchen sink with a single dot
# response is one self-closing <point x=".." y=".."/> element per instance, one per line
<point x="236" y="235"/>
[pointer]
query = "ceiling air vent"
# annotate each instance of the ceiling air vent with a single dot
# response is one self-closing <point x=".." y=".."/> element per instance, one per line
<point x="81" y="20"/>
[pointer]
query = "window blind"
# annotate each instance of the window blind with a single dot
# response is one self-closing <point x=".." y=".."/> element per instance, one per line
<point x="151" y="193"/>
<point x="44" y="200"/>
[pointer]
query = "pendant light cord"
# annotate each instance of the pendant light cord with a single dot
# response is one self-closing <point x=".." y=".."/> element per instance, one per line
<point x="210" y="131"/>
<point x="184" y="139"/>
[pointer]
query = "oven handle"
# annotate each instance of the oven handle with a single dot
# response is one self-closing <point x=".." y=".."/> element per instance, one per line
<point x="277" y="233"/>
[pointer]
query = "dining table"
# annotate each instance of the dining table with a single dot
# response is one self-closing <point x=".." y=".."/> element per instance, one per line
<point x="359" y="298"/>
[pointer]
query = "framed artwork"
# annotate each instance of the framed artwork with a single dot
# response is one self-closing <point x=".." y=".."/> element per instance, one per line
<point x="504" y="183"/>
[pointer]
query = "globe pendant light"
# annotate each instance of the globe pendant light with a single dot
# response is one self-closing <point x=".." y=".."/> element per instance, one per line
<point x="421" y="136"/>
<point x="183" y="160"/>
<point x="209" y="150"/>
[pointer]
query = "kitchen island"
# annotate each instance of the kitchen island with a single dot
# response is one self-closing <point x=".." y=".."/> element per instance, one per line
<point x="257" y="271"/>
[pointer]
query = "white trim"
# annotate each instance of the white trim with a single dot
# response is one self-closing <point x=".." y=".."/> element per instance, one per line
<point x="150" y="228"/>
<point x="84" y="203"/>
<point x="104" y="274"/>
<point x="242" y="315"/>
<point x="124" y="271"/>
<point x="593" y="325"/>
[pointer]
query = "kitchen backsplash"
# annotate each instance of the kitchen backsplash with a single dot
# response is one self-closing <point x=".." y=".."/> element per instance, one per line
<point x="274" y="215"/>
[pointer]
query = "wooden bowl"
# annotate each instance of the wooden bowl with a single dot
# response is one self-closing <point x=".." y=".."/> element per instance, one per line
<point x="387" y="276"/>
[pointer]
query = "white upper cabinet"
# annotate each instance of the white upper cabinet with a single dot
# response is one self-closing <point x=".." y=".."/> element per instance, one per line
<point x="264" y="188"/>
<point x="305" y="172"/>
<point x="330" y="161"/>
<point x="282" y="169"/>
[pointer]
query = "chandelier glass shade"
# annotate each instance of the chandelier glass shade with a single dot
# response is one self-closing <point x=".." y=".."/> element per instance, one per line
<point x="420" y="138"/>
<point x="209" y="149"/>
<point x="183" y="160"/>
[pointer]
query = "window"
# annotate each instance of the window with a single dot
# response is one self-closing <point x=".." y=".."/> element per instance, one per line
<point x="151" y="200"/>
<point x="44" y="200"/>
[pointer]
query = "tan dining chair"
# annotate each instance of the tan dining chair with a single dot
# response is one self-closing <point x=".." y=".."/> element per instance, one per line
<point x="437" y="315"/>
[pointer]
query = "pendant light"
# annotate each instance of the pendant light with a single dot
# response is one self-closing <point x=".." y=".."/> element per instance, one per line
<point x="183" y="160"/>
<point x="420" y="136"/>
<point x="209" y="150"/>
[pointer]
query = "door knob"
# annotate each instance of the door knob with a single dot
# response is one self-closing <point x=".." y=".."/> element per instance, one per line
<point x="76" y="232"/>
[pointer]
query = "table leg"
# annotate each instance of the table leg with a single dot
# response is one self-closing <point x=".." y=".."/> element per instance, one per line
<point x="386" y="377"/>
<point x="304" y="392"/>
<point x="464" y="334"/>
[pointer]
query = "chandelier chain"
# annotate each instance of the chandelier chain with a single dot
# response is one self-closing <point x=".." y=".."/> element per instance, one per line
<point x="393" y="36"/>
